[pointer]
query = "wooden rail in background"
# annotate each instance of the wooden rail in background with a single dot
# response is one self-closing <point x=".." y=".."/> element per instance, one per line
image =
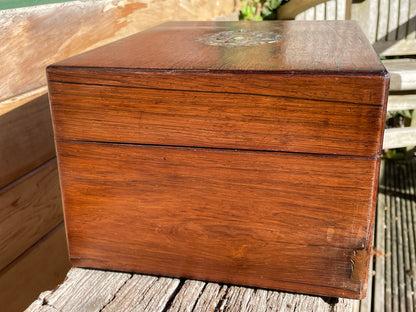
<point x="35" y="37"/>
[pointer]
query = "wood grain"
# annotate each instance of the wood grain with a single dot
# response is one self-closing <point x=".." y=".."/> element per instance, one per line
<point x="144" y="293"/>
<point x="324" y="47"/>
<point x="40" y="268"/>
<point x="220" y="120"/>
<point x="165" y="142"/>
<point x="149" y="293"/>
<point x="291" y="9"/>
<point x="245" y="211"/>
<point x="319" y="87"/>
<point x="26" y="136"/>
<point x="187" y="296"/>
<point x="70" y="28"/>
<point x="29" y="209"/>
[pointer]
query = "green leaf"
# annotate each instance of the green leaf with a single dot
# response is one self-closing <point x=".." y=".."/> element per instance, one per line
<point x="265" y="11"/>
<point x="274" y="4"/>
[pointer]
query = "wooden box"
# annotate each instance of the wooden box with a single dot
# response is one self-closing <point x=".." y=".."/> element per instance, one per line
<point x="239" y="152"/>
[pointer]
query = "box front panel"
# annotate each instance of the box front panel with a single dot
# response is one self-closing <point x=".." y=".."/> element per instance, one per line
<point x="238" y="120"/>
<point x="283" y="221"/>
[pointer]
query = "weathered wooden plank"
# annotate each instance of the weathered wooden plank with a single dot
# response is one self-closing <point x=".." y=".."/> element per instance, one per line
<point x="402" y="74"/>
<point x="342" y="305"/>
<point x="394" y="251"/>
<point x="211" y="297"/>
<point x="411" y="215"/>
<point x="399" y="202"/>
<point x="401" y="102"/>
<point x="93" y="291"/>
<point x="383" y="19"/>
<point x="411" y="32"/>
<point x="330" y="8"/>
<point x="29" y="209"/>
<point x="341" y="7"/>
<point x="69" y="28"/>
<point x="403" y="12"/>
<point x="238" y="298"/>
<point x="393" y="19"/>
<point x="41" y="267"/>
<point x="291" y="9"/>
<point x="366" y="14"/>
<point x="187" y="296"/>
<point x="21" y="99"/>
<point x="399" y="137"/>
<point x="320" y="12"/>
<point x="85" y="290"/>
<point x="258" y="302"/>
<point x="380" y="254"/>
<point x="143" y="293"/>
<point x="26" y="135"/>
<point x="388" y="299"/>
<point x="406" y="284"/>
<point x="301" y="16"/>
<point x="400" y="48"/>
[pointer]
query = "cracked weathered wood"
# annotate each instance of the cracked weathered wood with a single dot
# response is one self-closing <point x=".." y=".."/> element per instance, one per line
<point x="187" y="297"/>
<point x="83" y="290"/>
<point x="143" y="293"/>
<point x="211" y="297"/>
<point x="95" y="291"/>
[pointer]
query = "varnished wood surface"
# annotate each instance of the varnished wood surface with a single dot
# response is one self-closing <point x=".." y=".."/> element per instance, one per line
<point x="318" y="47"/>
<point x="288" y="122"/>
<point x="358" y="89"/>
<point x="282" y="221"/>
<point x="170" y="155"/>
<point x="106" y="291"/>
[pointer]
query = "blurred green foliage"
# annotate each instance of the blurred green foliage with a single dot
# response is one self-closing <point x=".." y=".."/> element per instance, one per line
<point x="259" y="10"/>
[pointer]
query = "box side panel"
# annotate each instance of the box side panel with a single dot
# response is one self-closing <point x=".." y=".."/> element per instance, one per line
<point x="99" y="113"/>
<point x="271" y="220"/>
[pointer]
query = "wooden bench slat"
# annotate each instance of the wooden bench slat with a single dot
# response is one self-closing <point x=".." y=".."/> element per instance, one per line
<point x="399" y="137"/>
<point x="210" y="297"/>
<point x="388" y="252"/>
<point x="86" y="290"/>
<point x="379" y="253"/>
<point x="400" y="241"/>
<point x="401" y="102"/>
<point x="406" y="284"/>
<point x="94" y="290"/>
<point x="402" y="74"/>
<point x="187" y="296"/>
<point x="29" y="209"/>
<point x="412" y="225"/>
<point x="143" y="293"/>
<point x="26" y="136"/>
<point x="41" y="267"/>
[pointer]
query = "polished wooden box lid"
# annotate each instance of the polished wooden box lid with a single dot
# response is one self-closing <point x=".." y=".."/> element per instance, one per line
<point x="240" y="152"/>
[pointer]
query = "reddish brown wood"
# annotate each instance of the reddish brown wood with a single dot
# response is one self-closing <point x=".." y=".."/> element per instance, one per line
<point x="221" y="120"/>
<point x="247" y="165"/>
<point x="319" y="47"/>
<point x="262" y="219"/>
